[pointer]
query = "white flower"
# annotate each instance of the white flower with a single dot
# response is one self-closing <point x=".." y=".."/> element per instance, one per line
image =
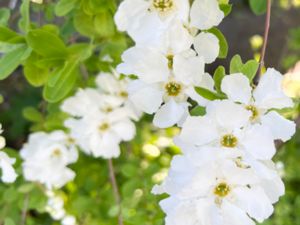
<point x="166" y="78"/>
<point x="226" y="125"/>
<point x="8" y="173"/>
<point x="217" y="193"/>
<point x="266" y="96"/>
<point x="111" y="85"/>
<point x="101" y="133"/>
<point x="146" y="20"/>
<point x="46" y="157"/>
<point x="205" y="14"/>
<point x="55" y="207"/>
<point x="69" y="220"/>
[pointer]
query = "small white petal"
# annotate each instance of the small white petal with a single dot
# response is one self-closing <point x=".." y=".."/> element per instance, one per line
<point x="269" y="92"/>
<point x="125" y="129"/>
<point x="206" y="14"/>
<point x="8" y="173"/>
<point x="237" y="88"/>
<point x="198" y="131"/>
<point x="281" y="128"/>
<point x="145" y="97"/>
<point x="169" y="114"/>
<point x="254" y="201"/>
<point x="207" y="45"/>
<point x="233" y="215"/>
<point x="258" y="141"/>
<point x="228" y="114"/>
<point x="147" y="63"/>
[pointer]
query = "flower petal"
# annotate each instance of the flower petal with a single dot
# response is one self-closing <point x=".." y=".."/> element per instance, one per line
<point x="169" y="114"/>
<point x="206" y="14"/>
<point x="269" y="92"/>
<point x="254" y="201"/>
<point x="237" y="88"/>
<point x="259" y="142"/>
<point x="147" y="98"/>
<point x="147" y="63"/>
<point x="207" y="45"/>
<point x="198" y="130"/>
<point x="281" y="128"/>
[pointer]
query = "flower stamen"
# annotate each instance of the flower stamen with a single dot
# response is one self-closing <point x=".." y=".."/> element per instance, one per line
<point x="229" y="141"/>
<point x="173" y="88"/>
<point x="163" y="5"/>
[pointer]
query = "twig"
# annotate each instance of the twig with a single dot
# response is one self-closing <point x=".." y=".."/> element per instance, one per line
<point x="24" y="210"/>
<point x="266" y="37"/>
<point x="115" y="189"/>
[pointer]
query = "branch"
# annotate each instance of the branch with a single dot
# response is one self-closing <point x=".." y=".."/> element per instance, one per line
<point x="24" y="210"/>
<point x="115" y="189"/>
<point x="266" y="37"/>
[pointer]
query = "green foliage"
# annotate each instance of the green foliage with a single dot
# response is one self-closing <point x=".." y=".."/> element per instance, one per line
<point x="258" y="6"/>
<point x="208" y="94"/>
<point x="249" y="68"/>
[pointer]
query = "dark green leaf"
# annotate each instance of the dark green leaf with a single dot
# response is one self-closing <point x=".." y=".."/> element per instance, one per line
<point x="226" y="8"/>
<point x="10" y="61"/>
<point x="208" y="94"/>
<point x="218" y="77"/>
<point x="258" y="6"/>
<point x="63" y="7"/>
<point x="62" y="82"/>
<point x="198" y="111"/>
<point x="46" y="44"/>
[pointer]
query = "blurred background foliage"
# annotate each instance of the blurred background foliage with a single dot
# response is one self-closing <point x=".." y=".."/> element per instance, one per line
<point x="83" y="41"/>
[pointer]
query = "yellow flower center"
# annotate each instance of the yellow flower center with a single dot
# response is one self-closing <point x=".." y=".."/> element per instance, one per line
<point x="170" y="61"/>
<point x="222" y="190"/>
<point x="173" y="88"/>
<point x="163" y="5"/>
<point x="104" y="127"/>
<point x="254" y="112"/>
<point x="229" y="141"/>
<point x="56" y="153"/>
<point x="124" y="94"/>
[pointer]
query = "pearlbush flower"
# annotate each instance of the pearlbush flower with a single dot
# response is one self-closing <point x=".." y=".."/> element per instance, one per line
<point x="8" y="173"/>
<point x="261" y="100"/>
<point x="46" y="157"/>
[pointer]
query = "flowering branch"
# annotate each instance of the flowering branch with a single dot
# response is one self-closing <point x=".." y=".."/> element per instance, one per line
<point x="115" y="189"/>
<point x="266" y="37"/>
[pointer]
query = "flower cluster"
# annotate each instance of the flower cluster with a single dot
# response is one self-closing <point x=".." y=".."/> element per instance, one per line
<point x="225" y="174"/>
<point x="101" y="117"/>
<point x="170" y="54"/>
<point x="8" y="173"/>
<point x="46" y="157"/>
<point x="55" y="207"/>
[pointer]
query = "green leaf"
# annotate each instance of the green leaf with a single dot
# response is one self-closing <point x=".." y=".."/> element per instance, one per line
<point x="208" y="94"/>
<point x="6" y="34"/>
<point x="8" y="47"/>
<point x="4" y="16"/>
<point x="63" y="7"/>
<point x="226" y="8"/>
<point x="62" y="82"/>
<point x="10" y="61"/>
<point x="222" y="41"/>
<point x="32" y="114"/>
<point x="25" y="16"/>
<point x="104" y="24"/>
<point x="46" y="44"/>
<point x="219" y="74"/>
<point x="198" y="111"/>
<point x="35" y="75"/>
<point x="81" y="51"/>
<point x="258" y="6"/>
<point x="249" y="69"/>
<point x="235" y="64"/>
